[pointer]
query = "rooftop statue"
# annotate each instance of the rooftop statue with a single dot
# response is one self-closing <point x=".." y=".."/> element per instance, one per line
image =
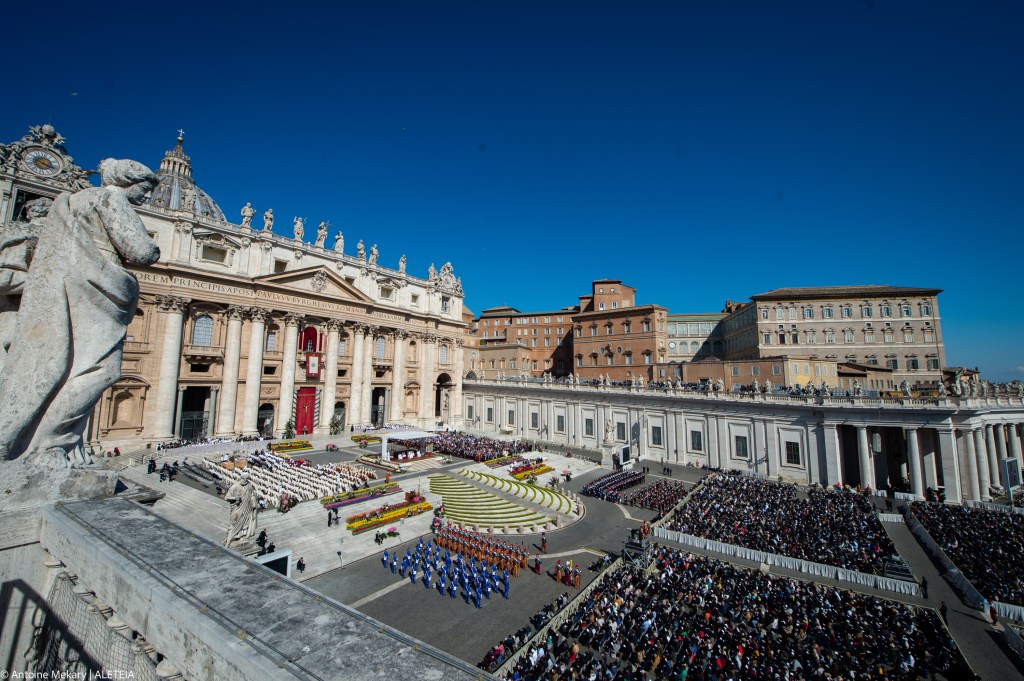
<point x="401" y="264"/>
<point x="321" y="234"/>
<point x="247" y="212"/>
<point x="339" y="243"/>
<point x="374" y="254"/>
<point x="299" y="229"/>
<point x="360" y="250"/>
<point x="268" y="220"/>
<point x="77" y="299"/>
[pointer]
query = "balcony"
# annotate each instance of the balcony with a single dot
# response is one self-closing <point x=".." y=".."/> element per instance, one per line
<point x="203" y="352"/>
<point x="136" y="347"/>
<point x="382" y="362"/>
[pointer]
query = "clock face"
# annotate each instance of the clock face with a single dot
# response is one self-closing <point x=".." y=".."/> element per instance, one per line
<point x="42" y="162"/>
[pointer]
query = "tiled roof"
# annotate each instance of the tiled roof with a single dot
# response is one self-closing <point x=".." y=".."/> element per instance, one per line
<point x="872" y="291"/>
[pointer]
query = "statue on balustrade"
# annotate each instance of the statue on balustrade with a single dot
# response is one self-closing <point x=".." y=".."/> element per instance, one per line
<point x="76" y="300"/>
<point x="247" y="212"/>
<point x="268" y="220"/>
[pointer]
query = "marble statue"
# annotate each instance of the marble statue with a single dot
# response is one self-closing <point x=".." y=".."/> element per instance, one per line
<point x="374" y="254"/>
<point x="339" y="243"/>
<point x="721" y="385"/>
<point x="942" y="389"/>
<point x="609" y="431"/>
<point x="757" y="386"/>
<point x="76" y="301"/>
<point x="242" y="519"/>
<point x="361" y="250"/>
<point x="268" y="220"/>
<point x="905" y="388"/>
<point x="956" y="386"/>
<point x="984" y="388"/>
<point x="188" y="199"/>
<point x="431" y="273"/>
<point x="299" y="229"/>
<point x="401" y="264"/>
<point x="858" y="390"/>
<point x="768" y="386"/>
<point x="321" y="234"/>
<point x="247" y="213"/>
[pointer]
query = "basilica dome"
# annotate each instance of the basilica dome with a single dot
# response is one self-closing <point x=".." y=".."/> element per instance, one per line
<point x="177" y="190"/>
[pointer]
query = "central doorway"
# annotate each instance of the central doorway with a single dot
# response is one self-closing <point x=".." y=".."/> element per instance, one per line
<point x="305" y="411"/>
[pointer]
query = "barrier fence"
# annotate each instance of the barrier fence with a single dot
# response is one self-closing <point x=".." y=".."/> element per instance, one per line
<point x="829" y="571"/>
<point x="989" y="506"/>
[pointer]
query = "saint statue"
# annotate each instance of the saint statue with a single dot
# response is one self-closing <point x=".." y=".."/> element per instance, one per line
<point x="339" y="243"/>
<point x="76" y="301"/>
<point x="242" y="519"/>
<point x="247" y="213"/>
<point x="188" y="199"/>
<point x="360" y="250"/>
<point x="609" y="431"/>
<point x="268" y="220"/>
<point x="321" y="234"/>
<point x="431" y="273"/>
<point x="374" y="254"/>
<point x="401" y="264"/>
<point x="299" y="229"/>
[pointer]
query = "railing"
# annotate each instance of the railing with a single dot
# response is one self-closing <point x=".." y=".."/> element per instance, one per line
<point x="137" y="347"/>
<point x="191" y="350"/>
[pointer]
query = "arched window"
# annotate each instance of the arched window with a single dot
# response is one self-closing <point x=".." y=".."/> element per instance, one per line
<point x="202" y="331"/>
<point x="378" y="348"/>
<point x="309" y="340"/>
<point x="271" y="340"/>
<point x="444" y="354"/>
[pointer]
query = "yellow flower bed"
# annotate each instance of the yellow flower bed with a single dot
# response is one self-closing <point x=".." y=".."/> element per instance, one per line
<point x="388" y="517"/>
<point x="541" y="470"/>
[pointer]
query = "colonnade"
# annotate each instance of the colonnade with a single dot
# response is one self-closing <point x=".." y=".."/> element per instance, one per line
<point x="222" y="416"/>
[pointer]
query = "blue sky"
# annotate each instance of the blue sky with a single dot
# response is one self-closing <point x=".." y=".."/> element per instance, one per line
<point x="698" y="151"/>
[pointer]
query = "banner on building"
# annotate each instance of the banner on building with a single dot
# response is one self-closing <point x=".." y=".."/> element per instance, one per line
<point x="313" y="365"/>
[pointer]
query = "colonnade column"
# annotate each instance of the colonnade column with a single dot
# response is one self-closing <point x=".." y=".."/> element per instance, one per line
<point x="833" y="454"/>
<point x="984" y="477"/>
<point x="1014" y="442"/>
<point x="229" y="385"/>
<point x="951" y="475"/>
<point x="864" y="454"/>
<point x="397" y="375"/>
<point x="366" y="401"/>
<point x="972" y="490"/>
<point x="211" y="416"/>
<point x="914" y="455"/>
<point x="173" y="308"/>
<point x="177" y="410"/>
<point x="993" y="457"/>
<point x="291" y="341"/>
<point x="455" y="409"/>
<point x="356" y="389"/>
<point x="427" y="380"/>
<point x="254" y="370"/>
<point x="331" y="376"/>
<point x="999" y="435"/>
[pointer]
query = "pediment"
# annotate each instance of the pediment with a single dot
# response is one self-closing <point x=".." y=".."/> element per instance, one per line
<point x="319" y="281"/>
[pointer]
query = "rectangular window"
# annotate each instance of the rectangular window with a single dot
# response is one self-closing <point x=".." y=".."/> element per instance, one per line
<point x="869" y="336"/>
<point x="735" y="371"/>
<point x="908" y="335"/>
<point x="560" y="423"/>
<point x="547" y="342"/>
<point x="889" y="336"/>
<point x="387" y="293"/>
<point x="533" y="342"/>
<point x="933" y="364"/>
<point x="588" y="427"/>
<point x="593" y="331"/>
<point x="905" y="310"/>
<point x="886" y="310"/>
<point x="926" y="310"/>
<point x="656" y="436"/>
<point x="848" y="336"/>
<point x="280" y="266"/>
<point x="469" y="412"/>
<point x="766" y="338"/>
<point x="446" y="304"/>
<point x="808" y="313"/>
<point x="812" y="338"/>
<point x="764" y="313"/>
<point x="490" y="414"/>
<point x="647" y="327"/>
<point x="755" y="371"/>
<point x="214" y="254"/>
<point x="847" y="312"/>
<point x="826" y="312"/>
<point x="912" y="364"/>
<point x="696" y="441"/>
<point x="620" y="431"/>
<point x="792" y="313"/>
<point x="511" y="417"/>
<point x="611" y="360"/>
<point x="579" y="360"/>
<point x="830" y="337"/>
<point x="271" y="341"/>
<point x="269" y="370"/>
<point x="776" y="370"/>
<point x="741" y="447"/>
<point x="629" y="359"/>
<point x="866" y="311"/>
<point x="793" y="453"/>
<point x="534" y="419"/>
<point x="892" y="364"/>
<point x="647" y="359"/>
<point x="929" y="336"/>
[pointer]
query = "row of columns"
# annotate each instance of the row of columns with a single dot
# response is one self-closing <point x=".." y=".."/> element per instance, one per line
<point x="168" y="403"/>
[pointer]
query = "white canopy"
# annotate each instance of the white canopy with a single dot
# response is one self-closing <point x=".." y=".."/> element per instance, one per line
<point x="401" y="435"/>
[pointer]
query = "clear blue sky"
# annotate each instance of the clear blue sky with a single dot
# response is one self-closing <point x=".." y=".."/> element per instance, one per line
<point x="698" y="151"/>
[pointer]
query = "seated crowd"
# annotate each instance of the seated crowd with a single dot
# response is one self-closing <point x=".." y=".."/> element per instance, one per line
<point x="833" y="526"/>
<point x="476" y="447"/>
<point x="987" y="546"/>
<point x="177" y="444"/>
<point x="699" y="619"/>
<point x="609" y="487"/>
<point x="661" y="496"/>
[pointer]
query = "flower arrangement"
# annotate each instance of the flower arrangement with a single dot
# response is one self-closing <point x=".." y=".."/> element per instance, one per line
<point x="363" y="436"/>
<point x="361" y="494"/>
<point x="363" y="522"/>
<point x="289" y="446"/>
<point x="531" y="470"/>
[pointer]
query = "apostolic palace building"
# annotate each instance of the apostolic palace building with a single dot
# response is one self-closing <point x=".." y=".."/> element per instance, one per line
<point x="240" y="330"/>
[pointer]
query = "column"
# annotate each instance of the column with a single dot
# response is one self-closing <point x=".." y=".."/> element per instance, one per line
<point x="292" y="322"/>
<point x="356" y="389"/>
<point x="833" y="455"/>
<point x="211" y="417"/>
<point x="864" y="452"/>
<point x="456" y="415"/>
<point x="397" y="375"/>
<point x="427" y="381"/>
<point x="366" y="401"/>
<point x="1014" y="441"/>
<point x="984" y="474"/>
<point x="948" y="460"/>
<point x="999" y="433"/>
<point x="177" y="411"/>
<point x="254" y="370"/>
<point x="229" y="383"/>
<point x="993" y="457"/>
<point x="914" y="458"/>
<point x="331" y="376"/>
<point x="165" y="410"/>
<point x="973" y="489"/>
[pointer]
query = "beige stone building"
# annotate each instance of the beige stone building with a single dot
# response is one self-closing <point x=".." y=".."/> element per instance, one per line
<point x="241" y="330"/>
<point x="890" y="326"/>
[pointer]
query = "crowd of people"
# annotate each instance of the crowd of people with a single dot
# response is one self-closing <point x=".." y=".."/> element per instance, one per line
<point x="699" y="619"/>
<point x="832" y="526"/>
<point x="477" y="580"/>
<point x="610" y="487"/>
<point x="986" y="546"/>
<point x="513" y="642"/>
<point x="661" y="496"/>
<point x="476" y="447"/>
<point x="177" y="444"/>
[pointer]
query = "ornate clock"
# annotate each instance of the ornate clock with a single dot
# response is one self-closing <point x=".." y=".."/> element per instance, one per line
<point x="42" y="162"/>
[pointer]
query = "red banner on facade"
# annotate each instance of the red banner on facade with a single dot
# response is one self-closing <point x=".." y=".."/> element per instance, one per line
<point x="312" y="365"/>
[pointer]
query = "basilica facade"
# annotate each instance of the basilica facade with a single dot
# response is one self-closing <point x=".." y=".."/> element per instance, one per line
<point x="243" y="331"/>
